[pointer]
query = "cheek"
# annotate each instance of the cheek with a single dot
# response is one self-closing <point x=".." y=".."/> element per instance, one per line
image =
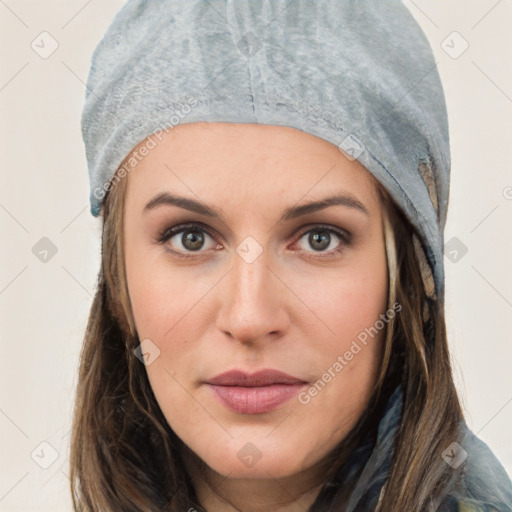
<point x="354" y="300"/>
<point x="353" y="306"/>
<point x="163" y="299"/>
<point x="165" y="309"/>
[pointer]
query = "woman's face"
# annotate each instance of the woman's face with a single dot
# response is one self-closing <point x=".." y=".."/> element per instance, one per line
<point x="254" y="279"/>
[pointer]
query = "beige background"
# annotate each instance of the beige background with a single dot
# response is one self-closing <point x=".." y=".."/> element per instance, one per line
<point x="44" y="193"/>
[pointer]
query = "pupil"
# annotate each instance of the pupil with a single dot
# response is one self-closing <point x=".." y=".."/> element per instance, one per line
<point x="319" y="242"/>
<point x="192" y="240"/>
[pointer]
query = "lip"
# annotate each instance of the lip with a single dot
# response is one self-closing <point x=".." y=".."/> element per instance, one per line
<point x="265" y="377"/>
<point x="254" y="393"/>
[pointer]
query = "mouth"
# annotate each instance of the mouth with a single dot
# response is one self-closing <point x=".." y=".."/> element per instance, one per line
<point x="256" y="393"/>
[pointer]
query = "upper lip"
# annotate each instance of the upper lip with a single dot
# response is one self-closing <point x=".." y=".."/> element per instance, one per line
<point x="259" y="378"/>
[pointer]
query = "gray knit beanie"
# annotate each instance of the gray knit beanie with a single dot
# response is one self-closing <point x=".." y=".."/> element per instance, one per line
<point x="358" y="73"/>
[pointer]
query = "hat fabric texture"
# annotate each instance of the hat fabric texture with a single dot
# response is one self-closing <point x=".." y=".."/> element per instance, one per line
<point x="359" y="74"/>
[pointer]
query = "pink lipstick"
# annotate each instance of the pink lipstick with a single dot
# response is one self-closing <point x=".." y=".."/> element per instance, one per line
<point x="254" y="393"/>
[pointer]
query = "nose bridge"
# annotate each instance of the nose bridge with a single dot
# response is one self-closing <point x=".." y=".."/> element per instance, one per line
<point x="250" y="308"/>
<point x="250" y="280"/>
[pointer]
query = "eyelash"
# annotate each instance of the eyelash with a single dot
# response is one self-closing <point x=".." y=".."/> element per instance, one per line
<point x="168" y="233"/>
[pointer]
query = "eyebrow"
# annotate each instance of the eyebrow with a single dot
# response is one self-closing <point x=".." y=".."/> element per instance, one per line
<point x="288" y="214"/>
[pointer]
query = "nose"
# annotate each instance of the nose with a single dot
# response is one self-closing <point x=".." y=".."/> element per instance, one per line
<point x="253" y="299"/>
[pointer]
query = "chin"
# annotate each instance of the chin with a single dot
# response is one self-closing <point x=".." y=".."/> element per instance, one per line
<point x="243" y="459"/>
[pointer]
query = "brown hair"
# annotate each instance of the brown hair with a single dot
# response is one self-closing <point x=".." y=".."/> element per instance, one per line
<point x="125" y="456"/>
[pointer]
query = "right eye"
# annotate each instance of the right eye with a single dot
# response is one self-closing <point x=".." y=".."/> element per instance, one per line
<point x="191" y="241"/>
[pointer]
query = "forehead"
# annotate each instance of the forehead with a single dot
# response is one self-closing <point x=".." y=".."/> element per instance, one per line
<point x="228" y="163"/>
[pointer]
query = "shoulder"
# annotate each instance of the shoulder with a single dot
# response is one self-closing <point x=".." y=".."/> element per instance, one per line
<point x="484" y="485"/>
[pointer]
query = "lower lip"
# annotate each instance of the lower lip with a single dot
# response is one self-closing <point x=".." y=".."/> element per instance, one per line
<point x="255" y="400"/>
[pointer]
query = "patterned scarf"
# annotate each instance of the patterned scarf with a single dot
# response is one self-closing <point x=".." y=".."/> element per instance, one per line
<point x="481" y="472"/>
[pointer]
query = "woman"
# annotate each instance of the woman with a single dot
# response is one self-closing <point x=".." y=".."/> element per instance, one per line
<point x="268" y="331"/>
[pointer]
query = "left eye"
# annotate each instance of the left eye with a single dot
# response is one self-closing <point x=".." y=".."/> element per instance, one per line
<point x="321" y="239"/>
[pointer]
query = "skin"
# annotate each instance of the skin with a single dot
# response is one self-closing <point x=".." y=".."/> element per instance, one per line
<point x="294" y="308"/>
